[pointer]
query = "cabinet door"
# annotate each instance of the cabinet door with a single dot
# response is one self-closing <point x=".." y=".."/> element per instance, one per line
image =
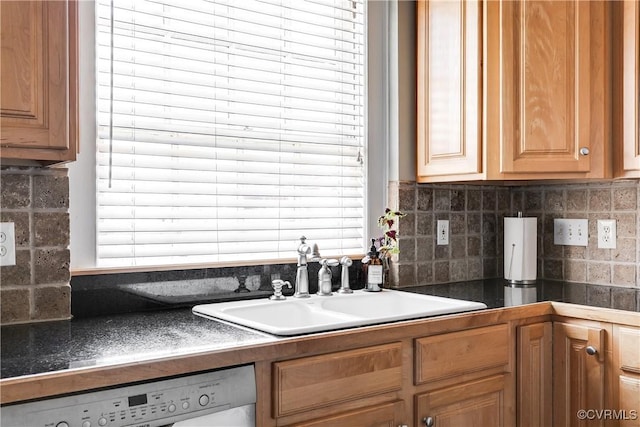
<point x="449" y="90"/>
<point x="627" y="374"/>
<point x="627" y="87"/>
<point x="534" y="375"/>
<point x="579" y="376"/>
<point x="549" y="86"/>
<point x="473" y="404"/>
<point x="37" y="104"/>
<point x="384" y="415"/>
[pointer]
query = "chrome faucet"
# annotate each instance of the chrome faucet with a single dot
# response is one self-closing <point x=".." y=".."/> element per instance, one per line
<point x="324" y="277"/>
<point x="302" y="275"/>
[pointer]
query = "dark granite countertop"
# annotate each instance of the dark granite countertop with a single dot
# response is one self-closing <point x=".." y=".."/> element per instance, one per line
<point x="108" y="340"/>
<point x="111" y="339"/>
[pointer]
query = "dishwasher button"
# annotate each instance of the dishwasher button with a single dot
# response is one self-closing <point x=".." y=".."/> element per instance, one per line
<point x="86" y="424"/>
<point x="62" y="424"/>
<point x="102" y="421"/>
<point x="204" y="400"/>
<point x="172" y="408"/>
<point x="185" y="405"/>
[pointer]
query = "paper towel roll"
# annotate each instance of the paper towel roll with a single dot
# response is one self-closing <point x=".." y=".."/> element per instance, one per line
<point x="520" y="249"/>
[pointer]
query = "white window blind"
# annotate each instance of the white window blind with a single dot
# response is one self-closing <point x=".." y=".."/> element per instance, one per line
<point x="228" y="129"/>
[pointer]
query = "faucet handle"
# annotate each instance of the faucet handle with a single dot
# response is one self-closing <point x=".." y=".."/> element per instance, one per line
<point x="277" y="289"/>
<point x="328" y="262"/>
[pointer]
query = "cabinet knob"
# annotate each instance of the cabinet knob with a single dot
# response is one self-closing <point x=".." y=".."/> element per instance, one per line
<point x="428" y="421"/>
<point x="584" y="151"/>
<point x="591" y="350"/>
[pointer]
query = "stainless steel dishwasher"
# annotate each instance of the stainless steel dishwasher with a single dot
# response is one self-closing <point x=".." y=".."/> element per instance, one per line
<point x="220" y="398"/>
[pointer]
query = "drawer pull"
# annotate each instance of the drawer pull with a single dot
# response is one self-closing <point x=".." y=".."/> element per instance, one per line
<point x="584" y="151"/>
<point x="591" y="350"/>
<point x="428" y="421"/>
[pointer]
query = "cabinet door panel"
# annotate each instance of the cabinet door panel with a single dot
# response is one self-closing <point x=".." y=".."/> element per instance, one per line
<point x="475" y="404"/>
<point x="631" y="85"/>
<point x="38" y="100"/>
<point x="34" y="74"/>
<point x="627" y="373"/>
<point x="384" y="415"/>
<point x="579" y="378"/>
<point x="547" y="98"/>
<point x="449" y="88"/>
<point x="629" y="392"/>
<point x="534" y="375"/>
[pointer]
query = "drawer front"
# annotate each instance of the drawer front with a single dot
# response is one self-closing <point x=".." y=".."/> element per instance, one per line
<point x="314" y="382"/>
<point x="448" y="355"/>
<point x="628" y="345"/>
<point x="383" y="415"/>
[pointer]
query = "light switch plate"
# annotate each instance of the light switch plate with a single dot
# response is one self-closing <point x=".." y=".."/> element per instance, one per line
<point x="7" y="244"/>
<point x="571" y="232"/>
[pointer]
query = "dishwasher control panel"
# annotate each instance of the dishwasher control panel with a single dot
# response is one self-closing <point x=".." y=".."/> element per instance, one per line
<point x="150" y="404"/>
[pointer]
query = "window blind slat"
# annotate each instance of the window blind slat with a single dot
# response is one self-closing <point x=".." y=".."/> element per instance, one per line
<point x="226" y="129"/>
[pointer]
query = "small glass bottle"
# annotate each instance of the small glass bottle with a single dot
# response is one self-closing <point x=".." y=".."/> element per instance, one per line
<point x="372" y="270"/>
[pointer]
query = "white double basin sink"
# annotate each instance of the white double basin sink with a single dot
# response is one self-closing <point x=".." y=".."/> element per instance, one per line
<point x="295" y="316"/>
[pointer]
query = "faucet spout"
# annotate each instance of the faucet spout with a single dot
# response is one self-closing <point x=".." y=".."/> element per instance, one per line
<point x="302" y="274"/>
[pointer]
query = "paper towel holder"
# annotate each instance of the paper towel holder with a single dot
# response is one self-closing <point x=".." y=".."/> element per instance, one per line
<point x="520" y="239"/>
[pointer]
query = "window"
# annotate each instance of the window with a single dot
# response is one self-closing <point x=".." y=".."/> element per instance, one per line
<point x="228" y="129"/>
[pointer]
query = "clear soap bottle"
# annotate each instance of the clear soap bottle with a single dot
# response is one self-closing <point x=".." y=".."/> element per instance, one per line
<point x="372" y="270"/>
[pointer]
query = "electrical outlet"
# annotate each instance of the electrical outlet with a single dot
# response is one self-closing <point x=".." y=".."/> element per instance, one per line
<point x="7" y="244"/>
<point x="443" y="232"/>
<point x="607" y="233"/>
<point x="571" y="232"/>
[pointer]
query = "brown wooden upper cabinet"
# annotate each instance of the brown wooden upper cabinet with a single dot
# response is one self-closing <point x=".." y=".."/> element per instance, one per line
<point x="626" y="88"/>
<point x="38" y="104"/>
<point x="513" y="90"/>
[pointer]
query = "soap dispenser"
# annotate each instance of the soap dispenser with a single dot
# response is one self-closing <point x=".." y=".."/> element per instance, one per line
<point x="372" y="270"/>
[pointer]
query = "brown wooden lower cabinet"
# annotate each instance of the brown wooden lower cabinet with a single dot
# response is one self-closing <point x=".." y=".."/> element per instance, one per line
<point x="534" y="375"/>
<point x="579" y="373"/>
<point x="383" y="415"/>
<point x="519" y="372"/>
<point x="474" y="404"/>
<point x="626" y="341"/>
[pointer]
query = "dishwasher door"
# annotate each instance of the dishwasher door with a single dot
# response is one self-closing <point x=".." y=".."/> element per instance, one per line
<point x="241" y="416"/>
<point x="224" y="397"/>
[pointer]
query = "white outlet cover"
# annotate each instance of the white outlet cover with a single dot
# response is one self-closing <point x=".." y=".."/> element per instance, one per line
<point x="442" y="229"/>
<point x="7" y="244"/>
<point x="606" y="233"/>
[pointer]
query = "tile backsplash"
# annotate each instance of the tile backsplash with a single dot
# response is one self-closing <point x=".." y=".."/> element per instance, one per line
<point x="607" y="200"/>
<point x="476" y="231"/>
<point x="37" y="200"/>
<point x="37" y="288"/>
